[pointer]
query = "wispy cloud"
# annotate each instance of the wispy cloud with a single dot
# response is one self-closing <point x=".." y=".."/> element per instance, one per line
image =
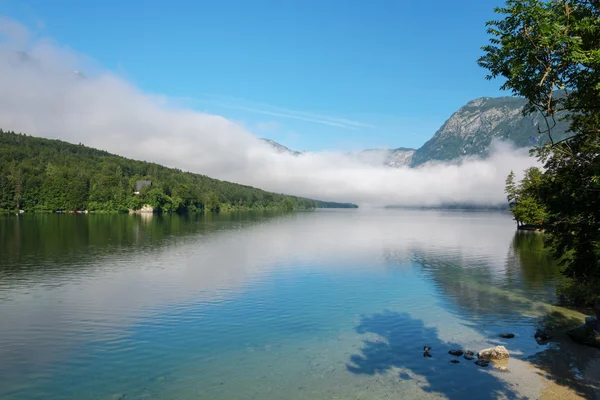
<point x="267" y="109"/>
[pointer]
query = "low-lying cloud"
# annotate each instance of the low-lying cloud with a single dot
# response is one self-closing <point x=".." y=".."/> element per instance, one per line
<point x="43" y="96"/>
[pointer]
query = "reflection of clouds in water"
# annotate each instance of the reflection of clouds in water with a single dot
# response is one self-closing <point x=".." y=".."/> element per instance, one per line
<point x="117" y="290"/>
<point x="226" y="259"/>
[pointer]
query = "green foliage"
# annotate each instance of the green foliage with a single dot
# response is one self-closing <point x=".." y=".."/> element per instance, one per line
<point x="511" y="188"/>
<point x="49" y="175"/>
<point x="572" y="292"/>
<point x="288" y="204"/>
<point x="212" y="202"/>
<point x="529" y="212"/>
<point x="549" y="52"/>
<point x="525" y="200"/>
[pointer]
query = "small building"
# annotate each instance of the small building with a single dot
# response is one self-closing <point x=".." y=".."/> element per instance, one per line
<point x="139" y="185"/>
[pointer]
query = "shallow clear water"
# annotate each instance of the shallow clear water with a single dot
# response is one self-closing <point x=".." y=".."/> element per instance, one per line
<point x="317" y="305"/>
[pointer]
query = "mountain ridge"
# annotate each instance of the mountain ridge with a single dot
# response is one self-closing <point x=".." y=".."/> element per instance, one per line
<point x="470" y="131"/>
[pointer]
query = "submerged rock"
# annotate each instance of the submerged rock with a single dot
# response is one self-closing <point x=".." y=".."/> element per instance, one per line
<point x="482" y="363"/>
<point x="585" y="334"/>
<point x="426" y="355"/>
<point x="507" y="335"/>
<point x="494" y="353"/>
<point x="541" y="336"/>
<point x="469" y="357"/>
<point x="454" y="361"/>
<point x="456" y="353"/>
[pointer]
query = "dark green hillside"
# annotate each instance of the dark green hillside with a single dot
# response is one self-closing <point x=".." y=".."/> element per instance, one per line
<point x="39" y="174"/>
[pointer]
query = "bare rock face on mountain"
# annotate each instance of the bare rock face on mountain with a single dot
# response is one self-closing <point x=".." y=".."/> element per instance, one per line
<point x="470" y="130"/>
<point x="395" y="158"/>
<point x="401" y="156"/>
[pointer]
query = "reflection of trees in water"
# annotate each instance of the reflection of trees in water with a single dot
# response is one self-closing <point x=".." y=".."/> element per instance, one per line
<point x="478" y="286"/>
<point x="530" y="261"/>
<point x="46" y="243"/>
<point x="488" y="299"/>
<point x="470" y="286"/>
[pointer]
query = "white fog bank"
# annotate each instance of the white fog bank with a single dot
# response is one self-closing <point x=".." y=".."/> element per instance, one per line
<point x="43" y="96"/>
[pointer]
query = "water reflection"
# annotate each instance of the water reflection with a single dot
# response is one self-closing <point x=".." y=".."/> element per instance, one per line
<point x="81" y="293"/>
<point x="534" y="261"/>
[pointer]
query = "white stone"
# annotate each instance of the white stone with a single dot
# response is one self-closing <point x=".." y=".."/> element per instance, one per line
<point x="147" y="209"/>
<point x="494" y="353"/>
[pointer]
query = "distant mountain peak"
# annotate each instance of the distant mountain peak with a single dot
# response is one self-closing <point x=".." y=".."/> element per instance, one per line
<point x="279" y="148"/>
<point x="477" y="102"/>
<point x="398" y="157"/>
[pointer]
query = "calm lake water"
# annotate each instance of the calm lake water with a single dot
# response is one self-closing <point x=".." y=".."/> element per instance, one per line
<point x="317" y="305"/>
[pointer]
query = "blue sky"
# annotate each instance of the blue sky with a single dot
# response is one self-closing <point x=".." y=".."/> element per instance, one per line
<point x="310" y="74"/>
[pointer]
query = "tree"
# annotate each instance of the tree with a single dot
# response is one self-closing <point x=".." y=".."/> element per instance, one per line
<point x="548" y="51"/>
<point x="288" y="204"/>
<point x="17" y="178"/>
<point x="212" y="202"/>
<point x="511" y="188"/>
<point x="511" y="193"/>
<point x="529" y="212"/>
<point x="526" y="203"/>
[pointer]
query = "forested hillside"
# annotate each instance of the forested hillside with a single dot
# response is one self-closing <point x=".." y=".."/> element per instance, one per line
<point x="49" y="175"/>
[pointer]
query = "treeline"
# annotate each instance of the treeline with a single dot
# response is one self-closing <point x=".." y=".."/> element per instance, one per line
<point x="39" y="174"/>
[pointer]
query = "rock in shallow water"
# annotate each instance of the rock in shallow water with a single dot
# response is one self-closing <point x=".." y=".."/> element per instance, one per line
<point x="469" y="357"/>
<point x="541" y="336"/>
<point x="482" y="363"/>
<point x="507" y="335"/>
<point x="585" y="334"/>
<point x="470" y="352"/>
<point x="494" y="353"/>
<point x="456" y="353"/>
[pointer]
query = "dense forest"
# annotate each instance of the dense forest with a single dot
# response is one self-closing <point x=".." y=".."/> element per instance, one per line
<point x="51" y="175"/>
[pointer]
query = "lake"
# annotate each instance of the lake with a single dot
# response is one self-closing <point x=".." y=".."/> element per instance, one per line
<point x="330" y="304"/>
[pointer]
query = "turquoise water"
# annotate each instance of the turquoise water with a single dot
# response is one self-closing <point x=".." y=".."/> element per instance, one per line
<point x="316" y="305"/>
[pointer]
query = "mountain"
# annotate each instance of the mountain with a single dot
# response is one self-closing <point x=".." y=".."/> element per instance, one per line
<point x="39" y="174"/>
<point x="391" y="157"/>
<point x="279" y="148"/>
<point x="469" y="131"/>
